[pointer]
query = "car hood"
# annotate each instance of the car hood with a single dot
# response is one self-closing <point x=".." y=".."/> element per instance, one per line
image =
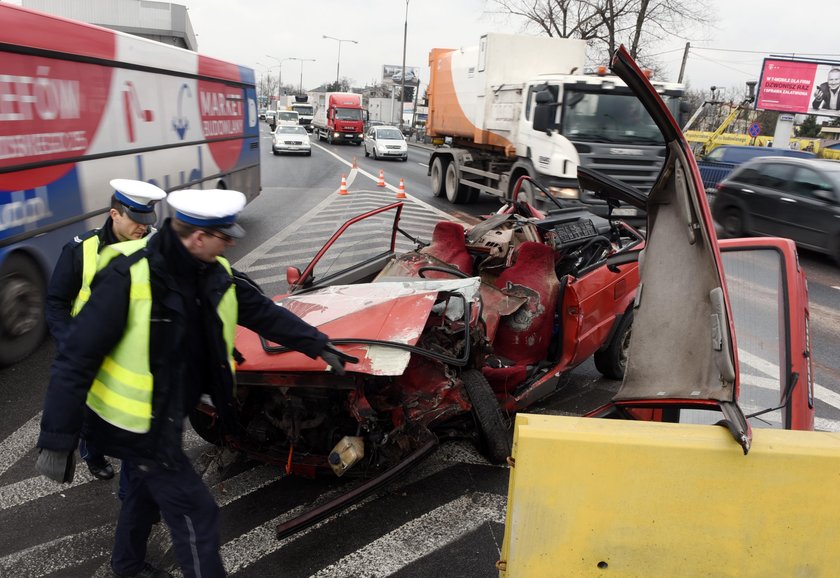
<point x="682" y="345"/>
<point x="394" y="312"/>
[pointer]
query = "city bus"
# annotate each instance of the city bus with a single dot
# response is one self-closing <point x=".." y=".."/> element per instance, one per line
<point x="81" y="105"/>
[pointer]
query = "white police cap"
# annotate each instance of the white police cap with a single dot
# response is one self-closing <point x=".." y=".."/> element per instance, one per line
<point x="209" y="209"/>
<point x="138" y="198"/>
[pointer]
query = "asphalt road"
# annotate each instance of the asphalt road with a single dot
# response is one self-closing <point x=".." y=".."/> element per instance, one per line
<point x="445" y="518"/>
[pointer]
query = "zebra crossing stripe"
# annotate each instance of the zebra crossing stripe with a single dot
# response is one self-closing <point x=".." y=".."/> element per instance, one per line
<point x="419" y="537"/>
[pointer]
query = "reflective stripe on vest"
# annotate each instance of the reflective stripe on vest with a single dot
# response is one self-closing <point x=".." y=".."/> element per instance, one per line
<point x="90" y="253"/>
<point x="121" y="394"/>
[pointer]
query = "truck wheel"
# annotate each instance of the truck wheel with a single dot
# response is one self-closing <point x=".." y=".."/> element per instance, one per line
<point x="733" y="222"/>
<point x="329" y="138"/>
<point x="22" y="296"/>
<point x="438" y="174"/>
<point x="495" y="441"/>
<point x="455" y="192"/>
<point x="612" y="361"/>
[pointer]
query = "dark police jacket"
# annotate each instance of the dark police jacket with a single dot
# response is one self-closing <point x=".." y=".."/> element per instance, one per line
<point x="181" y="371"/>
<point x="66" y="279"/>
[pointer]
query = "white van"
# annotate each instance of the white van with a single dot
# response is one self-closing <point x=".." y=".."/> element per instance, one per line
<point x="287" y="118"/>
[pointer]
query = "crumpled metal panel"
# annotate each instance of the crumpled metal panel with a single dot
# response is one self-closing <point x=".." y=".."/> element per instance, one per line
<point x="392" y="311"/>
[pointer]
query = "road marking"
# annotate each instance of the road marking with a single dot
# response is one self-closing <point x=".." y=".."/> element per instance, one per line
<point x="419" y="537"/>
<point x="20" y="442"/>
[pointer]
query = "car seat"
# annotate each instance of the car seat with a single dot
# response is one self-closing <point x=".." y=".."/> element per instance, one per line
<point x="448" y="246"/>
<point x="523" y="337"/>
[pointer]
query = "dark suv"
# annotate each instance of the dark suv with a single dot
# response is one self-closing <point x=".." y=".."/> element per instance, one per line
<point x="716" y="166"/>
<point x="783" y="197"/>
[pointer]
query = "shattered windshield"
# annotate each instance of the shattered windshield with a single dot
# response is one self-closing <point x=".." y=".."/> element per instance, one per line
<point x="608" y="117"/>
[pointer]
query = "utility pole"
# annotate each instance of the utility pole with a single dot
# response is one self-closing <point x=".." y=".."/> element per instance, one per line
<point x="684" y="60"/>
<point x="402" y="90"/>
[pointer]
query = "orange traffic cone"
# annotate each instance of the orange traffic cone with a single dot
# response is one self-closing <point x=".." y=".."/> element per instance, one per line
<point x="401" y="192"/>
<point x="343" y="189"/>
<point x="381" y="181"/>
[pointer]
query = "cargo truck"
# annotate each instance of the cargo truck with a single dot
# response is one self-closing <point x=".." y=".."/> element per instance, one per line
<point x="482" y="102"/>
<point x="339" y="117"/>
<point x="301" y="105"/>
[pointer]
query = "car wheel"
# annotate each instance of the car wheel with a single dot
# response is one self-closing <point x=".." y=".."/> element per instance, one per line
<point x="438" y="173"/>
<point x="22" y="296"/>
<point x="309" y="153"/>
<point x="834" y="249"/>
<point x="375" y="156"/>
<point x="206" y="426"/>
<point x="276" y="152"/>
<point x="611" y="362"/>
<point x="455" y="191"/>
<point x="495" y="440"/>
<point x="367" y="153"/>
<point x="405" y="159"/>
<point x="733" y="222"/>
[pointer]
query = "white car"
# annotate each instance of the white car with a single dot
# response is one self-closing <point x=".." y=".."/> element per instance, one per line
<point x="386" y="142"/>
<point x="291" y="139"/>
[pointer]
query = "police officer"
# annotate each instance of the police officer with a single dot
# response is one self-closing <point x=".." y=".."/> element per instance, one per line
<point x="131" y="215"/>
<point x="156" y="334"/>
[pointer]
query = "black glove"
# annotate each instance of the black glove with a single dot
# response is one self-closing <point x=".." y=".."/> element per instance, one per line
<point x="335" y="358"/>
<point x="56" y="465"/>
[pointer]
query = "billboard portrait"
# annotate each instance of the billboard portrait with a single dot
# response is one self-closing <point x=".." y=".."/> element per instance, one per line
<point x="800" y="87"/>
<point x="392" y="74"/>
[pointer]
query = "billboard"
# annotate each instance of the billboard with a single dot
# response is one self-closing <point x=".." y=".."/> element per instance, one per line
<point x="800" y="86"/>
<point x="392" y="74"/>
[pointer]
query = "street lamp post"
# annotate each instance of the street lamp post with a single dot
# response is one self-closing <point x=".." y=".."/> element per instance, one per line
<point x="302" y="60"/>
<point x="402" y="90"/>
<point x="280" y="62"/>
<point x="338" y="61"/>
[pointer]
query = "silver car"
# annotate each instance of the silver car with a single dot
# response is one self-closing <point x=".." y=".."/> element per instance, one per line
<point x="386" y="142"/>
<point x="291" y="139"/>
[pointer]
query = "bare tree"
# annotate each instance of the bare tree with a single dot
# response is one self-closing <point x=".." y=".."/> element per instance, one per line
<point x="608" y="23"/>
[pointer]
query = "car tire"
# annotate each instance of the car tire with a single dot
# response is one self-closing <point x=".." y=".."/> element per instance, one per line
<point x="438" y="175"/>
<point x="495" y="439"/>
<point x="276" y="152"/>
<point x="367" y="154"/>
<point x="309" y="153"/>
<point x="834" y="249"/>
<point x="375" y="156"/>
<point x="611" y="361"/>
<point x="733" y="222"/>
<point x="404" y="159"/>
<point x="207" y="427"/>
<point x="22" y="299"/>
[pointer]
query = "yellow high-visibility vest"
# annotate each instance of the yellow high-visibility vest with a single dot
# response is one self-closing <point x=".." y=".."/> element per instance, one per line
<point x="121" y="393"/>
<point x="90" y="255"/>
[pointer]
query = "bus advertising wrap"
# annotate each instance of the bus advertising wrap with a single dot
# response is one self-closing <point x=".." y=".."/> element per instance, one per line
<point x="800" y="86"/>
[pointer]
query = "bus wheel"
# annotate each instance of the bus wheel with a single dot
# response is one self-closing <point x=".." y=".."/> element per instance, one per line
<point x="22" y="296"/>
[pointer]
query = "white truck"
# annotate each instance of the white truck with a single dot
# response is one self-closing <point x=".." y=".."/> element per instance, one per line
<point x="305" y="109"/>
<point x="482" y="101"/>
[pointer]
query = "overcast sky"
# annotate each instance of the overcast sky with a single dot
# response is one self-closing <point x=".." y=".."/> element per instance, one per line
<point x="246" y="32"/>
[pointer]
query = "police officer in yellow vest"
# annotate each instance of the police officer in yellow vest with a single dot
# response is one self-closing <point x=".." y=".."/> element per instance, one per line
<point x="157" y="334"/>
<point x="131" y="216"/>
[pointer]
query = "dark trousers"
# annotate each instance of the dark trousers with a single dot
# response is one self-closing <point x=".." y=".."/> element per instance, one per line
<point x="185" y="504"/>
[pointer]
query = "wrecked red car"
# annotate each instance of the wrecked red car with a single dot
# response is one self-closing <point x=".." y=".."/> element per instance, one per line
<point x="449" y="338"/>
